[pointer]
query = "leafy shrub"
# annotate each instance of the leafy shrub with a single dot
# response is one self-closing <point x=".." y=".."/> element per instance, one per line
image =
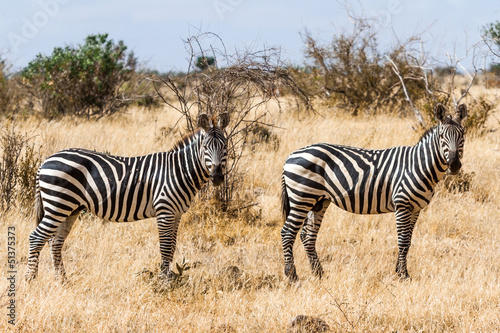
<point x="86" y="80"/>
<point x="204" y="63"/>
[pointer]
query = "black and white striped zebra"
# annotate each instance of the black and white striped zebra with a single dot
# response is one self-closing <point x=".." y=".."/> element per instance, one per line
<point x="125" y="189"/>
<point x="363" y="181"/>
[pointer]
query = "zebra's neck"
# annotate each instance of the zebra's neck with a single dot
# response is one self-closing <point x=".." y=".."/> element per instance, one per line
<point x="429" y="156"/>
<point x="190" y="157"/>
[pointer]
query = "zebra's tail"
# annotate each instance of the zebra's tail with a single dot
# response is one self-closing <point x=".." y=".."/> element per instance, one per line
<point x="285" y="203"/>
<point x="38" y="201"/>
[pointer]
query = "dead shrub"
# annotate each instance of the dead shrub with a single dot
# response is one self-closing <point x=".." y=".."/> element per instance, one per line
<point x="459" y="183"/>
<point x="241" y="88"/>
<point x="17" y="171"/>
<point x="302" y="323"/>
<point x="10" y="92"/>
<point x="356" y="75"/>
<point x="26" y="176"/>
<point x="12" y="143"/>
<point x="478" y="112"/>
<point x="260" y="135"/>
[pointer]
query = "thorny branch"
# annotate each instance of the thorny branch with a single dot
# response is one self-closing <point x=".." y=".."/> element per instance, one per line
<point x="244" y="87"/>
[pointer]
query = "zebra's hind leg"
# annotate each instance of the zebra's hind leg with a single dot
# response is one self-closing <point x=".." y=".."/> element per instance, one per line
<point x="405" y="222"/>
<point x="309" y="234"/>
<point x="57" y="242"/>
<point x="168" y="225"/>
<point x="293" y="223"/>
<point x="43" y="232"/>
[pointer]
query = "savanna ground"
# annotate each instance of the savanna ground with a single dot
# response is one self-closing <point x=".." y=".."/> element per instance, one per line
<point x="235" y="282"/>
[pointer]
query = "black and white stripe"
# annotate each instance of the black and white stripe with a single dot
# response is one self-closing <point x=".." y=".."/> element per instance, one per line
<point x="125" y="189"/>
<point x="363" y="181"/>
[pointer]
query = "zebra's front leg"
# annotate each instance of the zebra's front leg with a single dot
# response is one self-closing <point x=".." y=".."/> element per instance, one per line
<point x="168" y="225"/>
<point x="57" y="242"/>
<point x="405" y="222"/>
<point x="309" y="234"/>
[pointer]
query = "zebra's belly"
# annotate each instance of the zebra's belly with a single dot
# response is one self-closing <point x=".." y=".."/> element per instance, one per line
<point x="365" y="211"/>
<point x="112" y="210"/>
<point x="359" y="203"/>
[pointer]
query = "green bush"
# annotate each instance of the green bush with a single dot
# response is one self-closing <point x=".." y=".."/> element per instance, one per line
<point x="86" y="80"/>
<point x="204" y="63"/>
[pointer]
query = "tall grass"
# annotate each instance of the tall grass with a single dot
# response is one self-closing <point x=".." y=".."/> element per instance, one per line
<point x="235" y="281"/>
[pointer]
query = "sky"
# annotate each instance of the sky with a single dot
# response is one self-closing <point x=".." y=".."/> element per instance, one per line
<point x="156" y="30"/>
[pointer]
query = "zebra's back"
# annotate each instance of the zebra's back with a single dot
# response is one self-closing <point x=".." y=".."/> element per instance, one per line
<point x="357" y="180"/>
<point x="112" y="187"/>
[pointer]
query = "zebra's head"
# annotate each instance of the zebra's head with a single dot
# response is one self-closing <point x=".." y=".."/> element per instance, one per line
<point x="214" y="145"/>
<point x="451" y="136"/>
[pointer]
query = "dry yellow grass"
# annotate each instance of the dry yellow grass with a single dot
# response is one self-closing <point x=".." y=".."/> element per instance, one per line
<point x="454" y="259"/>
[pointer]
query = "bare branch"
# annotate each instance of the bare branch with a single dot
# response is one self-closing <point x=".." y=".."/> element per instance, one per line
<point x="467" y="90"/>
<point x="417" y="112"/>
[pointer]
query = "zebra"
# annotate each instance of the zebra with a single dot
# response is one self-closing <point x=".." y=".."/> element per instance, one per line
<point x="363" y="181"/>
<point x="126" y="189"/>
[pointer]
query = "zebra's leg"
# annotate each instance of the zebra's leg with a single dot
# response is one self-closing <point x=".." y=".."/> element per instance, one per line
<point x="38" y="238"/>
<point x="168" y="225"/>
<point x="293" y="223"/>
<point x="57" y="242"/>
<point x="309" y="234"/>
<point x="405" y="222"/>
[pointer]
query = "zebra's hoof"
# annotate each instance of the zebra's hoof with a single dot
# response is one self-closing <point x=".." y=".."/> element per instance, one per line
<point x="30" y="277"/>
<point x="61" y="278"/>
<point x="403" y="275"/>
<point x="317" y="270"/>
<point x="166" y="277"/>
<point x="291" y="273"/>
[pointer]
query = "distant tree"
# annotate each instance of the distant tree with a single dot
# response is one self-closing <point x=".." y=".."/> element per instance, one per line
<point x="492" y="30"/>
<point x="491" y="35"/>
<point x="204" y="63"/>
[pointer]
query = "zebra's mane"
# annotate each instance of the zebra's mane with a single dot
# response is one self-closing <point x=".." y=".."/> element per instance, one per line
<point x="427" y="133"/>
<point x="184" y="141"/>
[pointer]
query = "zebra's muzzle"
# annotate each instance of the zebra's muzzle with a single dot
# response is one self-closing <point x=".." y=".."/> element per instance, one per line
<point x="454" y="163"/>
<point x="217" y="176"/>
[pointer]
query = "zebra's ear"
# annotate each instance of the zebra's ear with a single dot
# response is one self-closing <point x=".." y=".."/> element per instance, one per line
<point x="204" y="121"/>
<point x="461" y="112"/>
<point x="439" y="112"/>
<point x="223" y="120"/>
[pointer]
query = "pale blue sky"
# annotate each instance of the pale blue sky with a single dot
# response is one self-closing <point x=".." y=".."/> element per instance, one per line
<point x="155" y="29"/>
